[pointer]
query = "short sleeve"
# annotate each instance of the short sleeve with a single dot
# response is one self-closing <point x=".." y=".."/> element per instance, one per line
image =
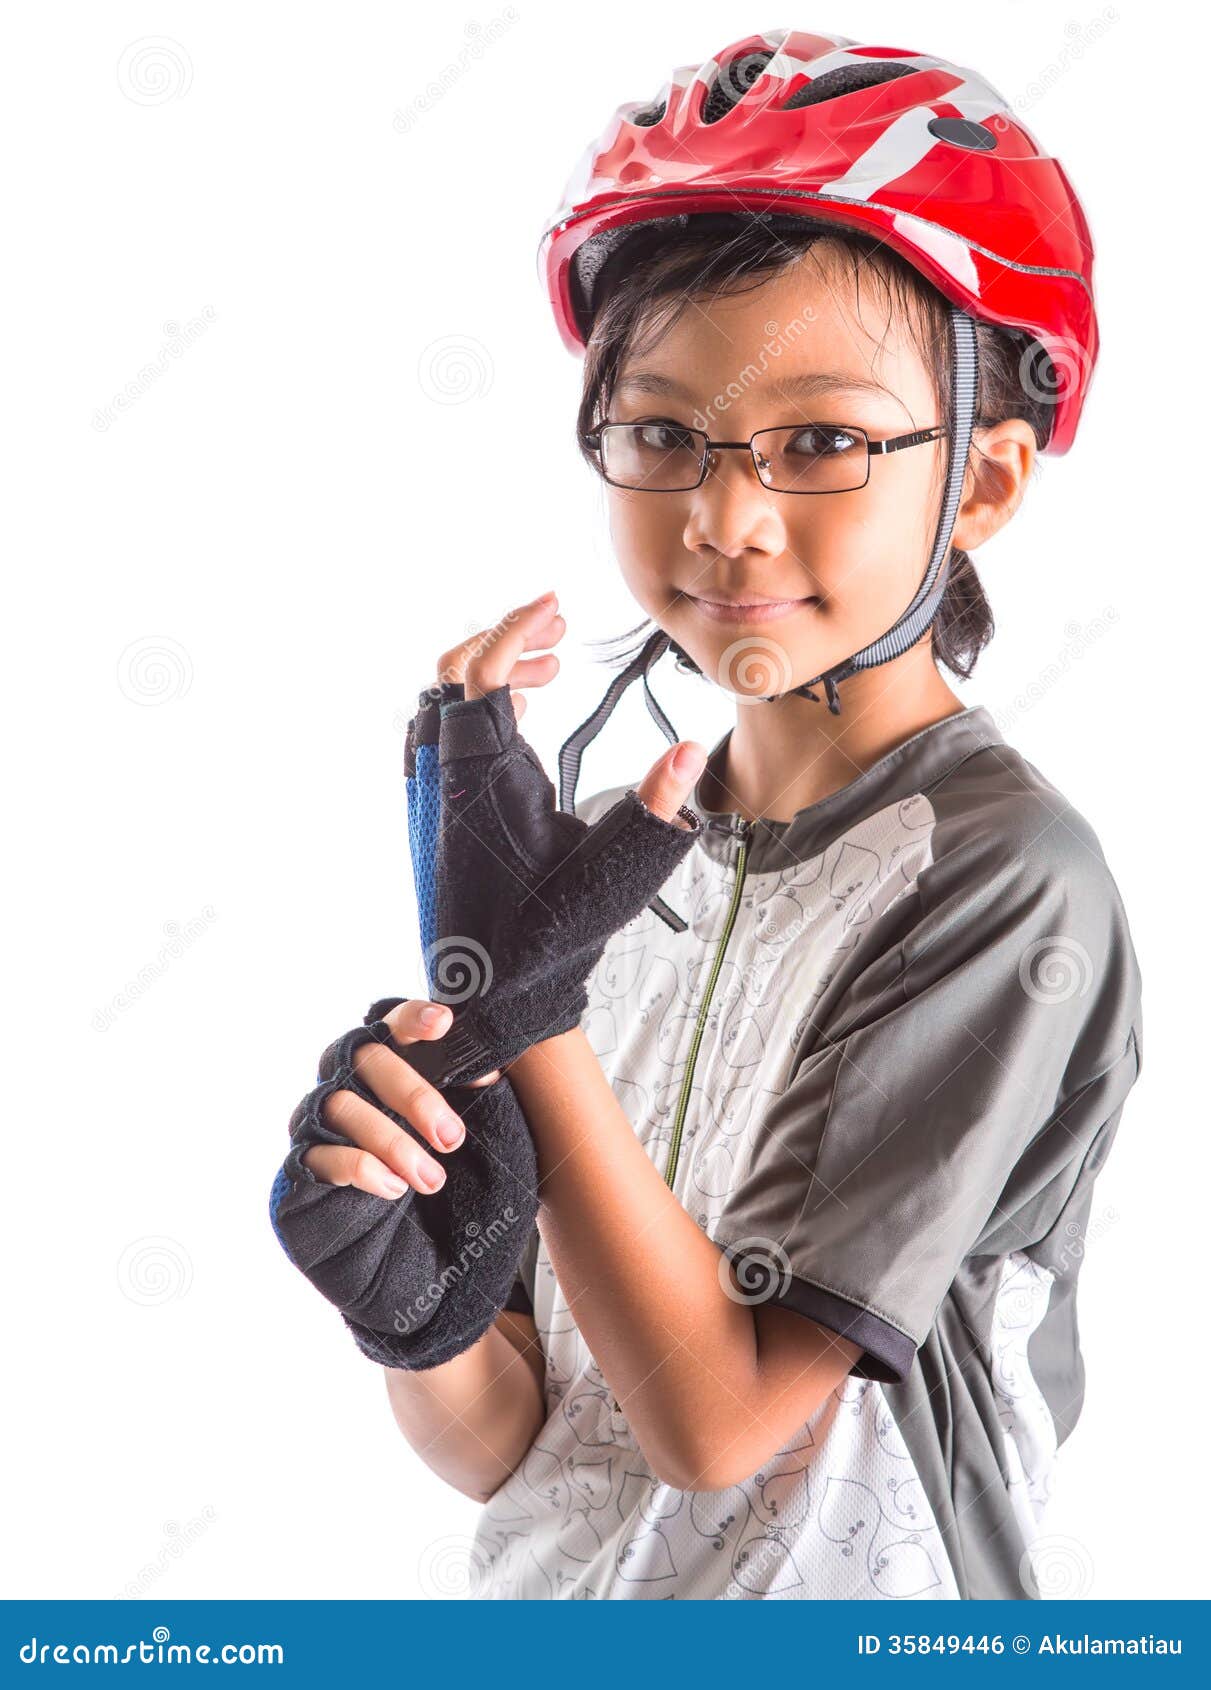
<point x="946" y="1106"/>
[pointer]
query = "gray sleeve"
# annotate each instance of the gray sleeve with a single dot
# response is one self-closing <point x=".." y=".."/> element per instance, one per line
<point x="948" y="1108"/>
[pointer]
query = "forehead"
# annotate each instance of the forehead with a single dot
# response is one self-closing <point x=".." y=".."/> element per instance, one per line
<point x="810" y="330"/>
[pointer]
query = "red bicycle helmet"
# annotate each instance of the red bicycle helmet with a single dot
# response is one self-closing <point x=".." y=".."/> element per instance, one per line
<point x="909" y="147"/>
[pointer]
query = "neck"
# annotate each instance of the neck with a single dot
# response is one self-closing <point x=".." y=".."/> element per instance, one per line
<point x="783" y="756"/>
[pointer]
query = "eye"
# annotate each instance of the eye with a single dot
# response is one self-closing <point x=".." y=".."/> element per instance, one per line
<point x="660" y="435"/>
<point x="818" y="440"/>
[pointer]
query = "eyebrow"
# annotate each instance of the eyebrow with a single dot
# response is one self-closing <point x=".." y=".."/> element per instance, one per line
<point x="806" y="386"/>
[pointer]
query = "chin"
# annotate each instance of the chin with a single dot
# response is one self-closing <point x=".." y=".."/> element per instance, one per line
<point x="751" y="662"/>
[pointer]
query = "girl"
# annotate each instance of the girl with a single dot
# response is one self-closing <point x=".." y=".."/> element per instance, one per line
<point x="797" y="1318"/>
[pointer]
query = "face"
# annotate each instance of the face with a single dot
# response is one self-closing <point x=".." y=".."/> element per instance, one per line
<point x="841" y="566"/>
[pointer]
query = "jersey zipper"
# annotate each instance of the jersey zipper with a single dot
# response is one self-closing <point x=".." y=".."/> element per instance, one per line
<point x="742" y="830"/>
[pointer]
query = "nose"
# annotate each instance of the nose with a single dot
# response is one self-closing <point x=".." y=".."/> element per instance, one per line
<point x="732" y="511"/>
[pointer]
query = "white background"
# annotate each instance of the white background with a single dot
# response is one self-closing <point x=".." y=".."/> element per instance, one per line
<point x="223" y="597"/>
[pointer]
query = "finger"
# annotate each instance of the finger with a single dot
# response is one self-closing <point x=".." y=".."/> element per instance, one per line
<point x="339" y="1164"/>
<point x="670" y="781"/>
<point x="367" y="1128"/>
<point x="489" y="668"/>
<point x="419" y="1018"/>
<point x="520" y="704"/>
<point x="527" y="671"/>
<point x="530" y="625"/>
<point x="533" y="671"/>
<point x="498" y="656"/>
<point x="397" y="1084"/>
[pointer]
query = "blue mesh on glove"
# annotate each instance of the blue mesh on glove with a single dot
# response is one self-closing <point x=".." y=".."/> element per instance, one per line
<point x="423" y="784"/>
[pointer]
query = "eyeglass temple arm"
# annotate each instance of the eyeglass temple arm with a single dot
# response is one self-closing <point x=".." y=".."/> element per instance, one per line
<point x="915" y="439"/>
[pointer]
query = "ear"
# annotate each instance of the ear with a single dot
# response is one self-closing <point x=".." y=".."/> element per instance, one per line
<point x="1002" y="458"/>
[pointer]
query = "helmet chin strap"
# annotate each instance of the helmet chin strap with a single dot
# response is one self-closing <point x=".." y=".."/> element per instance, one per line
<point x="572" y="749"/>
<point x="912" y="623"/>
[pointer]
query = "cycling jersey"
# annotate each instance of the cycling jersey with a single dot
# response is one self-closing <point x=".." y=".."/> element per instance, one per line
<point x="881" y="1067"/>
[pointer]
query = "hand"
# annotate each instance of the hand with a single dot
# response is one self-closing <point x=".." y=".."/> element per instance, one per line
<point x="518" y="898"/>
<point x="493" y="658"/>
<point x="532" y="625"/>
<point x="381" y="1158"/>
<point x="416" y="1283"/>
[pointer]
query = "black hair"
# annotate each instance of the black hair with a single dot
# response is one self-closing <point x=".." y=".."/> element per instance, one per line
<point x="651" y="277"/>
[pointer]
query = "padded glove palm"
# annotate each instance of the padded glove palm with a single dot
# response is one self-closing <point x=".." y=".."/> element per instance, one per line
<point x="418" y="1279"/>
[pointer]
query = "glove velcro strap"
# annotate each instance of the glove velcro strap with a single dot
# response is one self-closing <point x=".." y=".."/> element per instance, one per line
<point x="459" y="1056"/>
<point x="425" y="726"/>
<point x="477" y="727"/>
<point x="463" y="1053"/>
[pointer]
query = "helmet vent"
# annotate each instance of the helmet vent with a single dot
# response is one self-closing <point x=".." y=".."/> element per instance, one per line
<point x="848" y="79"/>
<point x="650" y="115"/>
<point x="962" y="132"/>
<point x="732" y="83"/>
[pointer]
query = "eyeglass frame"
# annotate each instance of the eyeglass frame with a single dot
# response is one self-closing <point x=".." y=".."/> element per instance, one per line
<point x="592" y="440"/>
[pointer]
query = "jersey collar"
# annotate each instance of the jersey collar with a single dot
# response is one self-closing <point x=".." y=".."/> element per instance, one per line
<point x="914" y="766"/>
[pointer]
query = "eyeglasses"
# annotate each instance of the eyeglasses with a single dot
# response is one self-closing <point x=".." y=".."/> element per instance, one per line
<point x="813" y="457"/>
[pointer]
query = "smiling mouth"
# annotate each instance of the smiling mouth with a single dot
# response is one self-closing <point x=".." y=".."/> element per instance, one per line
<point x="753" y="610"/>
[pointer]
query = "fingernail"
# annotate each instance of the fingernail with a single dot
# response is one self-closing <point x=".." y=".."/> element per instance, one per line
<point x="431" y="1016"/>
<point x="544" y="598"/>
<point x="392" y="1187"/>
<point x="450" y="1130"/>
<point x="688" y="761"/>
<point x="431" y="1176"/>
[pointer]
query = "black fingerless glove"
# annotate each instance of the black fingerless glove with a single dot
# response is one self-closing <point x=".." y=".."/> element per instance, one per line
<point x="517" y="901"/>
<point x="518" y="898"/>
<point x="418" y="1279"/>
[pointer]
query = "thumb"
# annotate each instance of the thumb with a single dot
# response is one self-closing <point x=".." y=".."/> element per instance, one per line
<point x="670" y="780"/>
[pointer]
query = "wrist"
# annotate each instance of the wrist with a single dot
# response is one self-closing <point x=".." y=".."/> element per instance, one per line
<point x="543" y="1052"/>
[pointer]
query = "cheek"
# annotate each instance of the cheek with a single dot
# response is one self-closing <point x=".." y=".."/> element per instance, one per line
<point x="831" y="537"/>
<point x="647" y="536"/>
<point x="872" y="543"/>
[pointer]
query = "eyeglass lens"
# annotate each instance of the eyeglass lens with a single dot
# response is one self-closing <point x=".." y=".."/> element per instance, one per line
<point x="805" y="458"/>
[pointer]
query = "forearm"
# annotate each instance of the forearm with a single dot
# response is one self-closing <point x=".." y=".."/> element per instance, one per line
<point x="646" y="1286"/>
<point x="472" y="1419"/>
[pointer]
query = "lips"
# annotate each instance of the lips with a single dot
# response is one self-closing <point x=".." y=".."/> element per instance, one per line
<point x="749" y="610"/>
<point x="750" y="600"/>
